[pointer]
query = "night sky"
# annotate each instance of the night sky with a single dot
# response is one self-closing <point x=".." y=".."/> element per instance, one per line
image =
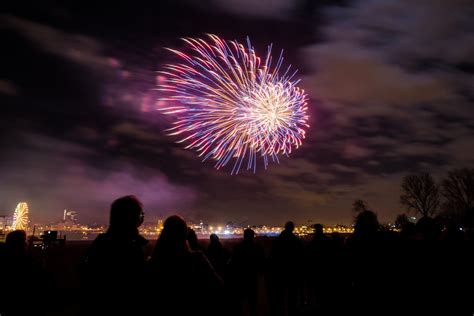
<point x="391" y="87"/>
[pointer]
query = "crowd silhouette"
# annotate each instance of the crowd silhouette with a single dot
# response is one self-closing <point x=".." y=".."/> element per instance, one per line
<point x="423" y="270"/>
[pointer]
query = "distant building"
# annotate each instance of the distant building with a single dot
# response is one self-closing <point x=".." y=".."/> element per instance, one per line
<point x="159" y="225"/>
<point x="69" y="217"/>
<point x="5" y="221"/>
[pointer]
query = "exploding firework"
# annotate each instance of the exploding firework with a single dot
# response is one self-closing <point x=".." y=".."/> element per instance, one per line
<point x="231" y="105"/>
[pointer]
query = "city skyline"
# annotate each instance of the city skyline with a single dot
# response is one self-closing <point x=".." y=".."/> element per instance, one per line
<point x="72" y="218"/>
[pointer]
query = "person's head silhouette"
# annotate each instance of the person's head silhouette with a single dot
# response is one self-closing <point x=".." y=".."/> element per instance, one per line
<point x="126" y="214"/>
<point x="318" y="229"/>
<point x="175" y="228"/>
<point x="366" y="224"/>
<point x="249" y="234"/>
<point x="289" y="226"/>
<point x="214" y="239"/>
<point x="16" y="241"/>
<point x="173" y="239"/>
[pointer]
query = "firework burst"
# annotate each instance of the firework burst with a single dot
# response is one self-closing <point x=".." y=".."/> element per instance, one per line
<point x="230" y="105"/>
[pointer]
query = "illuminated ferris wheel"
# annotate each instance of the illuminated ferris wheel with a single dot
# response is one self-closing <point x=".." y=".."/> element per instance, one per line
<point x="20" y="217"/>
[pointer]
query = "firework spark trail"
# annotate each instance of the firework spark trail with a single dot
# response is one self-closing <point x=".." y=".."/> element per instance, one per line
<point x="229" y="104"/>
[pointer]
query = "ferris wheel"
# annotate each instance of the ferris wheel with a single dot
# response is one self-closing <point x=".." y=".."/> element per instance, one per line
<point x="20" y="217"/>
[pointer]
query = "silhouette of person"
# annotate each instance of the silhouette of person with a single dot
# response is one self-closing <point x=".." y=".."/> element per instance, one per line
<point x="368" y="259"/>
<point x="177" y="270"/>
<point x="245" y="268"/>
<point x="217" y="255"/>
<point x="320" y="263"/>
<point x="20" y="272"/>
<point x="192" y="240"/>
<point x="366" y="226"/>
<point x="319" y="235"/>
<point x="285" y="272"/>
<point x="116" y="261"/>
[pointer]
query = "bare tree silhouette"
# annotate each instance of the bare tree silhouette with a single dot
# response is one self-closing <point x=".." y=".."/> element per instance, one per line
<point x="458" y="191"/>
<point x="420" y="194"/>
<point x="359" y="206"/>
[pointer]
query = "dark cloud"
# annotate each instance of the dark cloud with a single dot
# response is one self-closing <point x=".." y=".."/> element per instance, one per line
<point x="75" y="47"/>
<point x="58" y="176"/>
<point x="262" y="8"/>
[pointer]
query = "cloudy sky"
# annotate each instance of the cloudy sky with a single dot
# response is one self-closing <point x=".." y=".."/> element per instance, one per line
<point x="391" y="86"/>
